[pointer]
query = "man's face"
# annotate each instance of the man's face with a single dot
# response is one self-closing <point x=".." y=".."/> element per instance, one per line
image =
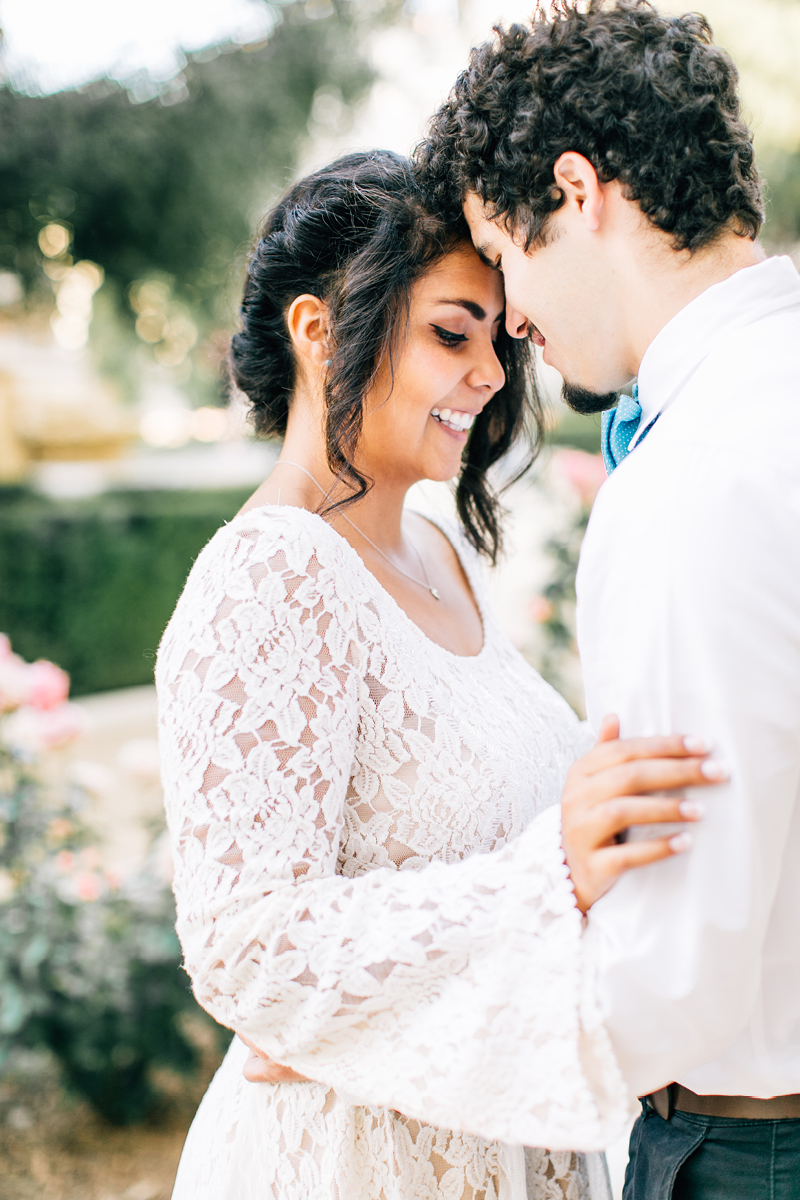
<point x="564" y="293"/>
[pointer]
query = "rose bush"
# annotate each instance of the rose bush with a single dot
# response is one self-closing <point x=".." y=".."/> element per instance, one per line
<point x="90" y="967"/>
<point x="575" y="477"/>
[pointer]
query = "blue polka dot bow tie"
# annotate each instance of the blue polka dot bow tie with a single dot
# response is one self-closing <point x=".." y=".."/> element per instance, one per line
<point x="619" y="427"/>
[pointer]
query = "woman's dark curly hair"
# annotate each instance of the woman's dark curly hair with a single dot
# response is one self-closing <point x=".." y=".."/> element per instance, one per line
<point x="648" y="99"/>
<point x="357" y="234"/>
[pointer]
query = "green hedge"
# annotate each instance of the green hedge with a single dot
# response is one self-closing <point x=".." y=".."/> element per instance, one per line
<point x="580" y="432"/>
<point x="91" y="583"/>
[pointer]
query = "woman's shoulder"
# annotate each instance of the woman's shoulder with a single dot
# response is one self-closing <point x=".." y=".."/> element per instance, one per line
<point x="277" y="539"/>
<point x="276" y="559"/>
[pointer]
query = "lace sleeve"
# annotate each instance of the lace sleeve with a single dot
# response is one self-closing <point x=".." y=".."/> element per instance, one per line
<point x="455" y="993"/>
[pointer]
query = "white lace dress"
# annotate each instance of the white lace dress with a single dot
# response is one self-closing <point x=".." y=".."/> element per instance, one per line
<point x="364" y="893"/>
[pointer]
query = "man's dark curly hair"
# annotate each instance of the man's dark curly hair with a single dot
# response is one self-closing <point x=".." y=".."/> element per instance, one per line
<point x="648" y="99"/>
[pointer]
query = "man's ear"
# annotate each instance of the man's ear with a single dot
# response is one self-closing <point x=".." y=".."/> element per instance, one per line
<point x="577" y="179"/>
<point x="308" y="321"/>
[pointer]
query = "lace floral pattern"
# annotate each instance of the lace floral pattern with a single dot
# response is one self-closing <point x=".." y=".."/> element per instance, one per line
<point x="334" y="783"/>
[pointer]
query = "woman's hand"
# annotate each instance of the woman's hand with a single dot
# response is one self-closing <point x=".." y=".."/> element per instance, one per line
<point x="603" y="796"/>
<point x="260" y="1068"/>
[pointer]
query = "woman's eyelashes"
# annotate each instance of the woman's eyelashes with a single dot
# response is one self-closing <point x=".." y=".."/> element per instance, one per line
<point x="447" y="337"/>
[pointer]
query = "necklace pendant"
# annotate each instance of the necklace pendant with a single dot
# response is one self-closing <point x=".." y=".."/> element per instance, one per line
<point x="434" y="593"/>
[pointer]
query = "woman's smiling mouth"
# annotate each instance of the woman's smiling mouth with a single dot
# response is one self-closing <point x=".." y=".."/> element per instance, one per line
<point x="453" y="419"/>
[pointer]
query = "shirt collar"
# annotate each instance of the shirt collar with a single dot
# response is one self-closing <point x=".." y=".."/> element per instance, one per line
<point x="683" y="343"/>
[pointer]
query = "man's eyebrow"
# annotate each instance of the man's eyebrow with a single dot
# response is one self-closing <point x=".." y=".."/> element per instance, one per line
<point x="472" y="308"/>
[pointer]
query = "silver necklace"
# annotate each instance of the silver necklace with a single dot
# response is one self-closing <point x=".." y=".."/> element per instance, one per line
<point x="427" y="584"/>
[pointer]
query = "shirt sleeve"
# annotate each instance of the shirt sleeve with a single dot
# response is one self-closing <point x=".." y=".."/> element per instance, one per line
<point x="456" y="993"/>
<point x="707" y="639"/>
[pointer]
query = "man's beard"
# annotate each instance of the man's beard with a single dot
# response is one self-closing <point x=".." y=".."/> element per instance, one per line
<point x="581" y="400"/>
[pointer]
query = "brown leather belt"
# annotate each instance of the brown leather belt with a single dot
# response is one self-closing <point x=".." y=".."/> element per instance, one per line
<point x="677" y="1098"/>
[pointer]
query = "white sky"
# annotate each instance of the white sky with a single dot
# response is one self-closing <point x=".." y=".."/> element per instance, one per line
<point x="60" y="43"/>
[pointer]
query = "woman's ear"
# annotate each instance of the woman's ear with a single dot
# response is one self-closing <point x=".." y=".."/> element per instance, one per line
<point x="308" y="321"/>
<point x="577" y="179"/>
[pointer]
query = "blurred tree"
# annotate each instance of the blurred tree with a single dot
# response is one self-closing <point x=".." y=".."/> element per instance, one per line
<point x="781" y="169"/>
<point x="167" y="179"/>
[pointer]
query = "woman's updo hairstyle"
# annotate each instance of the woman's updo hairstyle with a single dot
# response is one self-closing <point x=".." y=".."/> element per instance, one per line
<point x="357" y="234"/>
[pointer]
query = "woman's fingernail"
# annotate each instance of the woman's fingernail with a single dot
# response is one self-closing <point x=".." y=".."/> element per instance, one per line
<point x="714" y="770"/>
<point x="681" y="842"/>
<point x="696" y="745"/>
<point x="692" y="809"/>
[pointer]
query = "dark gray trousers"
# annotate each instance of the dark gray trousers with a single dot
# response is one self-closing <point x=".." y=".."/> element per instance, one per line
<point x="691" y="1157"/>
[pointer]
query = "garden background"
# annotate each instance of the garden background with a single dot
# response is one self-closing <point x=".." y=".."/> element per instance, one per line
<point x="138" y="150"/>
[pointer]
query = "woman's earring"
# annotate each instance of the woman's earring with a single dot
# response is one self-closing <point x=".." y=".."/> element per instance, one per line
<point x="327" y="362"/>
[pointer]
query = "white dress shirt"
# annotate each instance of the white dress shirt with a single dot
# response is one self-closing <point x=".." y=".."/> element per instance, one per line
<point x="689" y="622"/>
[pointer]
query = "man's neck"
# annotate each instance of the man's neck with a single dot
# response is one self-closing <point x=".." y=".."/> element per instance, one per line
<point x="667" y="281"/>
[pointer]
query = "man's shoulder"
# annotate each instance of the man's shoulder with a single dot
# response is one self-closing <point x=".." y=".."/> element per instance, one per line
<point x="764" y="350"/>
<point x="744" y="398"/>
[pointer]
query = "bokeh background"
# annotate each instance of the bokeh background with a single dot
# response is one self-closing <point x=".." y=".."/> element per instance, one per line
<point x="139" y="147"/>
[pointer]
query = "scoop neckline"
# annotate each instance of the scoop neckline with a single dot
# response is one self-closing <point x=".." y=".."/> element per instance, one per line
<point x="378" y="586"/>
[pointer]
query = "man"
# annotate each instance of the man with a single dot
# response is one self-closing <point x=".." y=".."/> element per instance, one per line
<point x="604" y="167"/>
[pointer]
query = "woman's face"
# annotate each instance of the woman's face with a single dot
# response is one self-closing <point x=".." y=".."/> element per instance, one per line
<point x="417" y="423"/>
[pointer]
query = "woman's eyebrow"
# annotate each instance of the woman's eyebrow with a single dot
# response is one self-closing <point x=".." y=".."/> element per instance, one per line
<point x="472" y="308"/>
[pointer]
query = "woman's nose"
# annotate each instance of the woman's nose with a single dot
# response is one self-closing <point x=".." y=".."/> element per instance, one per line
<point x="516" y="323"/>
<point x="487" y="372"/>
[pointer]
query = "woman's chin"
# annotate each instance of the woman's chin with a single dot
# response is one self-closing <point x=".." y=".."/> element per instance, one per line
<point x="442" y="472"/>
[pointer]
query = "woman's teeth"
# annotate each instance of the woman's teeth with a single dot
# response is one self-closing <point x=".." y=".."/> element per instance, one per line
<point x="457" y="421"/>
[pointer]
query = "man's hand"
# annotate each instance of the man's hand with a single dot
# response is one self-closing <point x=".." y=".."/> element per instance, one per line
<point x="260" y="1068"/>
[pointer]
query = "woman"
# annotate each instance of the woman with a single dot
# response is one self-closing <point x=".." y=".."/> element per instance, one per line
<point x="355" y="756"/>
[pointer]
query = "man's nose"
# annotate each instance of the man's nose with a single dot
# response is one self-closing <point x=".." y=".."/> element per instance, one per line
<point x="516" y="323"/>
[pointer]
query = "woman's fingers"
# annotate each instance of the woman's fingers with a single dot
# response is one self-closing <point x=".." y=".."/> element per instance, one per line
<point x="609" y="728"/>
<point x="654" y="775"/>
<point x="260" y="1069"/>
<point x="661" y="774"/>
<point x="614" y="816"/>
<point x="615" y="860"/>
<point x="610" y="753"/>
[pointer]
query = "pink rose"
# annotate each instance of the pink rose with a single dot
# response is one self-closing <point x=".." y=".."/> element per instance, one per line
<point x="63" y="724"/>
<point x="42" y="685"/>
<point x="88" y="887"/>
<point x="33" y="730"/>
<point x="14" y="681"/>
<point x="540" y="609"/>
<point x="65" y="861"/>
<point x="48" y="685"/>
<point x="585" y="473"/>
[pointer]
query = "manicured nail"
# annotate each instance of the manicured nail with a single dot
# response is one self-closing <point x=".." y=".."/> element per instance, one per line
<point x="714" y="770"/>
<point x="681" y="842"/>
<point x="692" y="809"/>
<point x="696" y="745"/>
